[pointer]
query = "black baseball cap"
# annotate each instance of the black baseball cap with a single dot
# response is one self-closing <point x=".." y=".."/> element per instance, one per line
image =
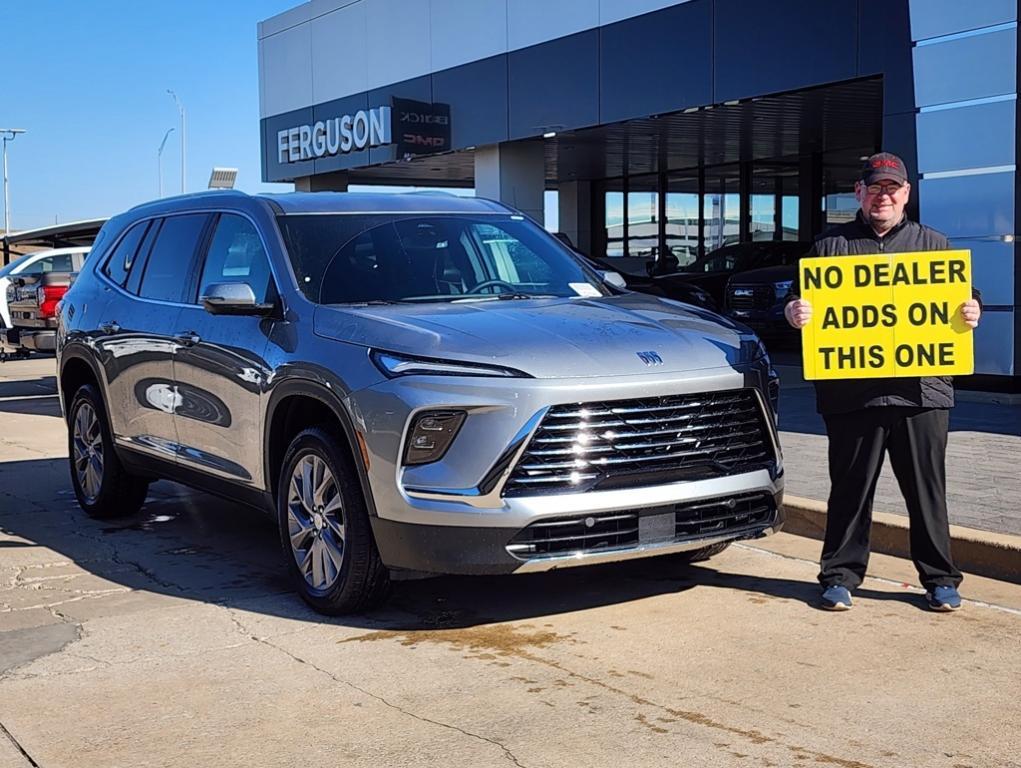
<point x="884" y="165"/>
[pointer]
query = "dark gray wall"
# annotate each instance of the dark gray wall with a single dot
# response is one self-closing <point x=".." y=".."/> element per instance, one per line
<point x="698" y="53"/>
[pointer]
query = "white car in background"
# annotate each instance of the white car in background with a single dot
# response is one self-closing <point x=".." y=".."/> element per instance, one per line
<point x="33" y="264"/>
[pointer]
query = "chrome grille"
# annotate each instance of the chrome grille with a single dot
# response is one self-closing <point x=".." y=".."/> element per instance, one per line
<point x="746" y="297"/>
<point x="738" y="516"/>
<point x="713" y="517"/>
<point x="576" y="534"/>
<point x="634" y="443"/>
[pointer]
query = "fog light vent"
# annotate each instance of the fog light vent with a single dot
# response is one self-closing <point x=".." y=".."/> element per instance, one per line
<point x="431" y="435"/>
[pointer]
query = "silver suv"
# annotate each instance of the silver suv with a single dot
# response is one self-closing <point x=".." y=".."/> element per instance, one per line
<point x="409" y="382"/>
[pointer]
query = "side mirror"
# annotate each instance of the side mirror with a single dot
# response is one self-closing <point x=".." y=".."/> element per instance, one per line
<point x="233" y="299"/>
<point x="613" y="278"/>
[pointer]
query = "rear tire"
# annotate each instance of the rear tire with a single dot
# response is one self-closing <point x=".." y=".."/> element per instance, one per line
<point x="103" y="487"/>
<point x="324" y="525"/>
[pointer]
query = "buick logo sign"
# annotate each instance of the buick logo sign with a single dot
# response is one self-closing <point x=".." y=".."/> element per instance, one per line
<point x="650" y="358"/>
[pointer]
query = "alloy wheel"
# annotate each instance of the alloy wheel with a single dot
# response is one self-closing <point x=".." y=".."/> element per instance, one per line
<point x="88" y="452"/>
<point x="315" y="521"/>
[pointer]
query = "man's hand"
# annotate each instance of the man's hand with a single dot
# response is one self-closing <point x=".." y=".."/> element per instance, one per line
<point x="971" y="311"/>
<point x="799" y="313"/>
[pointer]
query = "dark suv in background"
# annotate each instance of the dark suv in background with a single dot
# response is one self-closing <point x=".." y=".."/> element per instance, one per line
<point x="417" y="382"/>
<point x="756" y="297"/>
<point x="713" y="271"/>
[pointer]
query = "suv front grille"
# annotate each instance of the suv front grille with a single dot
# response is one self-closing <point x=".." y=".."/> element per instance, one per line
<point x="586" y="533"/>
<point x="745" y="514"/>
<point x="746" y="297"/>
<point x="648" y="441"/>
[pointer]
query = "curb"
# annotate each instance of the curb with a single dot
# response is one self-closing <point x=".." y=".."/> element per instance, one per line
<point x="995" y="555"/>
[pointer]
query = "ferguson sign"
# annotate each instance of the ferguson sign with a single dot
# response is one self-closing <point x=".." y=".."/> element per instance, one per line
<point x="338" y="135"/>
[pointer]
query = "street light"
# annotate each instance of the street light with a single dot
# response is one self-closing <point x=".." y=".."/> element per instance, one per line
<point x="8" y="134"/>
<point x="159" y="159"/>
<point x="180" y="108"/>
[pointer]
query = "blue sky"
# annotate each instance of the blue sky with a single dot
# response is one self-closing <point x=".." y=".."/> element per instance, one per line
<point x="88" y="81"/>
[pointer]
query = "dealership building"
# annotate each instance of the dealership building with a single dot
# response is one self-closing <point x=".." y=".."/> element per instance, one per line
<point x="667" y="128"/>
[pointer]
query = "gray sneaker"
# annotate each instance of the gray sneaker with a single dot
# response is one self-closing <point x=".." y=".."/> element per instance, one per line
<point x="836" y="598"/>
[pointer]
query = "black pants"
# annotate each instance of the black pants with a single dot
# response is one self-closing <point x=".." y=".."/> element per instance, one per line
<point x="916" y="439"/>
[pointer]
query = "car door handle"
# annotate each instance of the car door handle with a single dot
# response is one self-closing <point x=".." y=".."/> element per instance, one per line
<point x="187" y="338"/>
<point x="110" y="327"/>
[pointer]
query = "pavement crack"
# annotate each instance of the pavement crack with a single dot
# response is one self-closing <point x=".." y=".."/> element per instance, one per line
<point x="17" y="745"/>
<point x="697" y="718"/>
<point x="397" y="708"/>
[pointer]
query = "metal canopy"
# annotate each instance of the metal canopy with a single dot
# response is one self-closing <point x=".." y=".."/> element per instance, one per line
<point x="75" y="233"/>
<point x="835" y="119"/>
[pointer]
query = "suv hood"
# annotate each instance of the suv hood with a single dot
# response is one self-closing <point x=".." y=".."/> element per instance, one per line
<point x="548" y="338"/>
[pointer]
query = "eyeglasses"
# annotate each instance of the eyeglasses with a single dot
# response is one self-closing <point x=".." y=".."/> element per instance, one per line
<point x="888" y="189"/>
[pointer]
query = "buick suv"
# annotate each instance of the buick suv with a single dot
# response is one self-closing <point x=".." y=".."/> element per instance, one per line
<point x="409" y="383"/>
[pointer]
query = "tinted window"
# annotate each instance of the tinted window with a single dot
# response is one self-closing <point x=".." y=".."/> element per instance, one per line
<point x="312" y="241"/>
<point x="169" y="263"/>
<point x="121" y="260"/>
<point x="58" y="263"/>
<point x="435" y="258"/>
<point x="236" y="255"/>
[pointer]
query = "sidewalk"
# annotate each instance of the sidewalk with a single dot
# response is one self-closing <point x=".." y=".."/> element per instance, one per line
<point x="983" y="459"/>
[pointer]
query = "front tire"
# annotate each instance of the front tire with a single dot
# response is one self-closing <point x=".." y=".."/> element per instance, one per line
<point x="324" y="528"/>
<point x="102" y="485"/>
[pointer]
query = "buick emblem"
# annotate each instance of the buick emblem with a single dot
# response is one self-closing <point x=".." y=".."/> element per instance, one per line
<point x="650" y="358"/>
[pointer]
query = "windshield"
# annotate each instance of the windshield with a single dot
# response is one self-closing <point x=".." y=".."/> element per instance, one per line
<point x="14" y="265"/>
<point x="347" y="259"/>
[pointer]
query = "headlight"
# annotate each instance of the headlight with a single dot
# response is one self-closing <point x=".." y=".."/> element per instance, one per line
<point x="431" y="435"/>
<point x="393" y="365"/>
<point x="783" y="288"/>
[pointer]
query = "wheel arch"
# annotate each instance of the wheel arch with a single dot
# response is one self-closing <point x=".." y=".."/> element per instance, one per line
<point x="295" y="405"/>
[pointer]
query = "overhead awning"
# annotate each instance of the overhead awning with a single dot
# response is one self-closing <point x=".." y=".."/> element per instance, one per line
<point x="74" y="233"/>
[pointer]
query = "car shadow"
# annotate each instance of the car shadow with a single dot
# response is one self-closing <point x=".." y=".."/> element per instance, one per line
<point x="43" y="385"/>
<point x="198" y="547"/>
<point x="35" y="405"/>
<point x="194" y="546"/>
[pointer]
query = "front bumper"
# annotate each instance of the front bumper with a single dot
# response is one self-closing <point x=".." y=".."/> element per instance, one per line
<point x="486" y="550"/>
<point x="452" y="517"/>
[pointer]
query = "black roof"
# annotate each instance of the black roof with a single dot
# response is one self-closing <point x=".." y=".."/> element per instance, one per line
<point x="334" y="202"/>
<point x="381" y="202"/>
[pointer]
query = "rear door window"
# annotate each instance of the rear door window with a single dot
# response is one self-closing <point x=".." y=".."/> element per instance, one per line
<point x="118" y="266"/>
<point x="169" y="266"/>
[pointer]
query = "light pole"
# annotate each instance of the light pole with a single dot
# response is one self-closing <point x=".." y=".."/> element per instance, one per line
<point x="159" y="159"/>
<point x="9" y="134"/>
<point x="180" y="108"/>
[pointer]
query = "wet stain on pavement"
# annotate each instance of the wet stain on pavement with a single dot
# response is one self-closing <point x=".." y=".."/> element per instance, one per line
<point x="490" y="639"/>
<point x="651" y="726"/>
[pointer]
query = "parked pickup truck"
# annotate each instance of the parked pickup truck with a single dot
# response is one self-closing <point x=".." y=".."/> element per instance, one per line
<point x="32" y="301"/>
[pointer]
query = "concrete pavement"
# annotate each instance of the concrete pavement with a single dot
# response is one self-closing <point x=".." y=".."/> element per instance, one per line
<point x="172" y="639"/>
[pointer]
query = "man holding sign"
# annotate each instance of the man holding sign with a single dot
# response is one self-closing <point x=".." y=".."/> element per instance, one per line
<point x="881" y="335"/>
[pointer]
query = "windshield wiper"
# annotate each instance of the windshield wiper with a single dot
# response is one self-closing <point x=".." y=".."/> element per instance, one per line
<point x="505" y="297"/>
<point x="372" y="303"/>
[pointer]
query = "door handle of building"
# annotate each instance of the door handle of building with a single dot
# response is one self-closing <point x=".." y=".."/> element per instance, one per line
<point x="187" y="338"/>
<point x="110" y="327"/>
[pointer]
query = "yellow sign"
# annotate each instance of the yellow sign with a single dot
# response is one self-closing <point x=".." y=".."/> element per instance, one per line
<point x="897" y="314"/>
